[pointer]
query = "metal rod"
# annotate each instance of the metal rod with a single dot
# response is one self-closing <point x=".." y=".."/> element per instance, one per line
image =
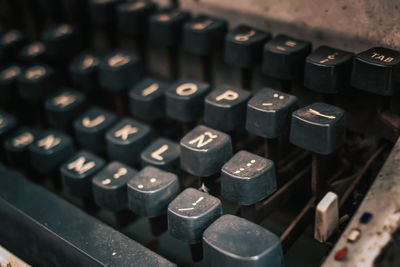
<point x="196" y="250"/>
<point x="318" y="178"/>
<point x="282" y="196"/>
<point x="158" y="225"/>
<point x="298" y="225"/>
<point x="360" y="175"/>
<point x="207" y="67"/>
<point x="249" y="212"/>
<point x="271" y="150"/>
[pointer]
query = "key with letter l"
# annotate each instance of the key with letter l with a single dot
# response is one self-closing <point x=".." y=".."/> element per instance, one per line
<point x="162" y="153"/>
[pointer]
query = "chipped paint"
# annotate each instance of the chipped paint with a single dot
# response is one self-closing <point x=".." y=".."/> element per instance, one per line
<point x="378" y="233"/>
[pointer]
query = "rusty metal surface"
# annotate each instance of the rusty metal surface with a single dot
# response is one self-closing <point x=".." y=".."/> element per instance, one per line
<point x="353" y="25"/>
<point x="383" y="202"/>
<point x="7" y="259"/>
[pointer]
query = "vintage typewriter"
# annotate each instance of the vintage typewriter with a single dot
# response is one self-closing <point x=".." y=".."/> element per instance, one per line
<point x="199" y="133"/>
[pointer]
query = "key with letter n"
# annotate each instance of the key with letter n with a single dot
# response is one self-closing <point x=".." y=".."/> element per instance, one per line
<point x="204" y="151"/>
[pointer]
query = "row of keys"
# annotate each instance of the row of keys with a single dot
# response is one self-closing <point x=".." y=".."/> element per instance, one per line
<point x="224" y="108"/>
<point x="318" y="127"/>
<point x="192" y="215"/>
<point x="326" y="69"/>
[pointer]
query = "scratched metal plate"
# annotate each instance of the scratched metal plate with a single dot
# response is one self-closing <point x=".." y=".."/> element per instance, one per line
<point x="353" y="25"/>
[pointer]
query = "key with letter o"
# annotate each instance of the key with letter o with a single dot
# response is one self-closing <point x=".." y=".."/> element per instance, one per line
<point x="184" y="100"/>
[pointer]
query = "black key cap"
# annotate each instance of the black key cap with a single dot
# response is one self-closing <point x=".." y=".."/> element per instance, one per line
<point x="204" y="151"/>
<point x="284" y="57"/>
<point x="133" y="16"/>
<point x="269" y="113"/>
<point x="146" y="99"/>
<point x="9" y="86"/>
<point x="243" y="46"/>
<point x="50" y="150"/>
<point x="11" y="42"/>
<point x="35" y="82"/>
<point x="81" y="239"/>
<point x="63" y="106"/>
<point x="190" y="213"/>
<point x="78" y="171"/>
<point x="16" y="147"/>
<point x="327" y="70"/>
<point x="204" y="35"/>
<point x="119" y="70"/>
<point x="91" y="127"/>
<point x="126" y="140"/>
<point x="247" y="178"/>
<point x="61" y="41"/>
<point x="377" y="70"/>
<point x="166" y="26"/>
<point x="109" y="186"/>
<point x="225" y="108"/>
<point x="151" y="190"/>
<point x="319" y="128"/>
<point x="162" y="153"/>
<point x="234" y="241"/>
<point x="33" y="52"/>
<point x="8" y="123"/>
<point x="184" y="100"/>
<point x="84" y="72"/>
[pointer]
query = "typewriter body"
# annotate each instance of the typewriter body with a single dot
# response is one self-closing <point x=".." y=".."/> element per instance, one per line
<point x="199" y="133"/>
